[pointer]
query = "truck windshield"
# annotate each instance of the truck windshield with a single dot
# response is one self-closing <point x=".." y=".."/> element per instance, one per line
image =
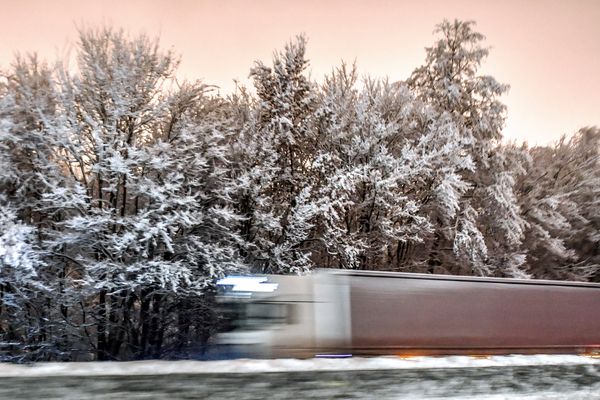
<point x="252" y="315"/>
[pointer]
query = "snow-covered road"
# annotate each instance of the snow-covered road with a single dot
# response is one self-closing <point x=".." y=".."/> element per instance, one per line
<point x="493" y="378"/>
<point x="136" y="368"/>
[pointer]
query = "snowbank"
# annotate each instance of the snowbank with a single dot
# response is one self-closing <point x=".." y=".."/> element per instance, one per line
<point x="281" y="365"/>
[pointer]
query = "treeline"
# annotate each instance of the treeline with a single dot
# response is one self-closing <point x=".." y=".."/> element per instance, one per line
<point x="125" y="193"/>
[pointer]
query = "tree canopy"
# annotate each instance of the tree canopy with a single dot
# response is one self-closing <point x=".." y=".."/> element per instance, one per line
<point x="124" y="194"/>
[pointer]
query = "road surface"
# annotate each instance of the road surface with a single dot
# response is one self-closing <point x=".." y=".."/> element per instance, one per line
<point x="507" y="377"/>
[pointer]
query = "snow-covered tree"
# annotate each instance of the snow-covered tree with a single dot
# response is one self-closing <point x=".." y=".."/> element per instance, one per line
<point x="151" y="157"/>
<point x="124" y="194"/>
<point x="277" y="146"/>
<point x="20" y="261"/>
<point x="488" y="213"/>
<point x="117" y="181"/>
<point x="32" y="178"/>
<point x="389" y="164"/>
<point x="559" y="196"/>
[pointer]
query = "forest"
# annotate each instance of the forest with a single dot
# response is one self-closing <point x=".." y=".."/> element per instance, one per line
<point x="125" y="193"/>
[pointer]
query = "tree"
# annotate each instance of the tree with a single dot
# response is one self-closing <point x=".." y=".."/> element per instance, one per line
<point x="488" y="213"/>
<point x="559" y="198"/>
<point x="278" y="146"/>
<point x="32" y="180"/>
<point x="159" y="219"/>
<point x="122" y="177"/>
<point x="389" y="162"/>
<point x="125" y="194"/>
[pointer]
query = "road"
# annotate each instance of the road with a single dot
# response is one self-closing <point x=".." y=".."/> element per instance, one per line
<point x="479" y="379"/>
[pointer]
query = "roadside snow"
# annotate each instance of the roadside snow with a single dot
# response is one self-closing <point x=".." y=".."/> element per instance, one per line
<point x="281" y="365"/>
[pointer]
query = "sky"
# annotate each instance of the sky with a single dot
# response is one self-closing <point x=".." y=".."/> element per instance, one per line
<point x="548" y="51"/>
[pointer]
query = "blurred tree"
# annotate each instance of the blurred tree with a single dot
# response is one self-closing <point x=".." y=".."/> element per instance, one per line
<point x="559" y="196"/>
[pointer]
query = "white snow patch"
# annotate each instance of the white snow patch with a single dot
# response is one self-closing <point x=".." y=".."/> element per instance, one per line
<point x="282" y="365"/>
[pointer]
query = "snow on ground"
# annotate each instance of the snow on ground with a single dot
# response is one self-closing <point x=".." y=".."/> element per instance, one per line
<point x="282" y="365"/>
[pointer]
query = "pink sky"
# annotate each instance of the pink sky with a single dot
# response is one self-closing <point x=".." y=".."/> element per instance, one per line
<point x="548" y="51"/>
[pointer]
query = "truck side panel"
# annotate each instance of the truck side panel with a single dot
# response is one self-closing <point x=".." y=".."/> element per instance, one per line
<point x="445" y="314"/>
